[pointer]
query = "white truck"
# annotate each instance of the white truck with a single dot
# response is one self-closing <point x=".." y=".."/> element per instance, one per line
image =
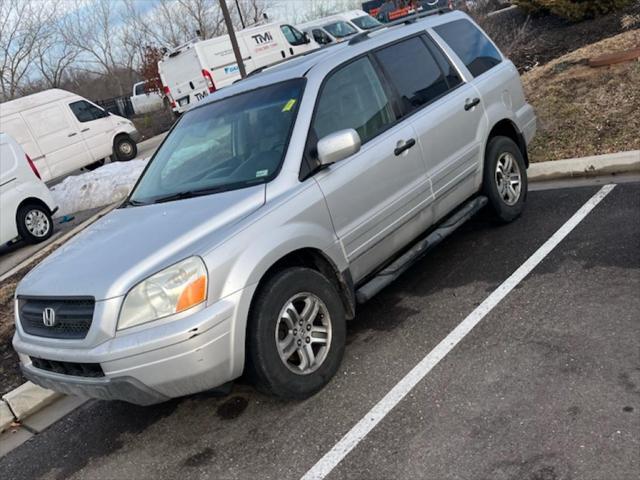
<point x="193" y="70"/>
<point x="145" y="102"/>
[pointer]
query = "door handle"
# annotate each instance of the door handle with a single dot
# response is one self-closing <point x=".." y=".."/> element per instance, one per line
<point x="85" y="130"/>
<point x="400" y="149"/>
<point x="471" y="103"/>
<point x="72" y="134"/>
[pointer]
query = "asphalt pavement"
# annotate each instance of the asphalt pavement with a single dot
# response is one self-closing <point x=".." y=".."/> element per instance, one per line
<point x="545" y="387"/>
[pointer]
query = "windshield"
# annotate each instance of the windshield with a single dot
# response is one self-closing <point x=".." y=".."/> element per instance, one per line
<point x="233" y="143"/>
<point x="340" y="29"/>
<point x="366" y="22"/>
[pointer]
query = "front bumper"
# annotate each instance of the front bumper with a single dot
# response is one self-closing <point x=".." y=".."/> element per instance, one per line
<point x="135" y="135"/>
<point x="147" y="365"/>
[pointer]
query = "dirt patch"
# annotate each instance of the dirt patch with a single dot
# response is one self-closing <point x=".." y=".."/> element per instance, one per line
<point x="585" y="111"/>
<point x="531" y="41"/>
<point x="10" y="376"/>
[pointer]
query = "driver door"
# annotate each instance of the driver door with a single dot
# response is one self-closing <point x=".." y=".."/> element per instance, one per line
<point x="95" y="127"/>
<point x="375" y="197"/>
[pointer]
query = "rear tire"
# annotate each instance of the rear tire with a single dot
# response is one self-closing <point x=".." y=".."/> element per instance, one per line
<point x="296" y="334"/>
<point x="125" y="149"/>
<point x="34" y="223"/>
<point x="505" y="179"/>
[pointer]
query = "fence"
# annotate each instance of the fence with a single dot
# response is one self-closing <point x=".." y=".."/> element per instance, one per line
<point x="118" y="106"/>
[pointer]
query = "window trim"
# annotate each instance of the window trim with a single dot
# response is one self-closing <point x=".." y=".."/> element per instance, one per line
<point x="307" y="167"/>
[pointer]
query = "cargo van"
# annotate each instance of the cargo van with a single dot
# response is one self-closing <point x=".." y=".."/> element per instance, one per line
<point x="62" y="131"/>
<point x="194" y="70"/>
<point x="339" y="27"/>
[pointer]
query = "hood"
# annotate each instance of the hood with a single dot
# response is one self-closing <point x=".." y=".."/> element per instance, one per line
<point x="129" y="244"/>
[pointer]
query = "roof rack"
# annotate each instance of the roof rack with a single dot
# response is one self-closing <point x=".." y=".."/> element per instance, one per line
<point x="361" y="37"/>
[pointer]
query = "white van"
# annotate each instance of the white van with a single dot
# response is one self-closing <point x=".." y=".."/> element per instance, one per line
<point x="62" y="131"/>
<point x="339" y="27"/>
<point x="25" y="201"/>
<point x="193" y="70"/>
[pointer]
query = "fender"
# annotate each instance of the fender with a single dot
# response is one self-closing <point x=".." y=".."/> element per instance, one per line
<point x="299" y="221"/>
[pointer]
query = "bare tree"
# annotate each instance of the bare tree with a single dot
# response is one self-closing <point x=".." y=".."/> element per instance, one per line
<point x="252" y="11"/>
<point x="95" y="28"/>
<point x="21" y="25"/>
<point x="52" y="55"/>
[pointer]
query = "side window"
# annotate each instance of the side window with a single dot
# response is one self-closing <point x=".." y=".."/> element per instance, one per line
<point x="414" y="72"/>
<point x="86" y="112"/>
<point x="353" y="97"/>
<point x="450" y="72"/>
<point x="471" y="45"/>
<point x="293" y="36"/>
<point x="139" y="89"/>
<point x="321" y="37"/>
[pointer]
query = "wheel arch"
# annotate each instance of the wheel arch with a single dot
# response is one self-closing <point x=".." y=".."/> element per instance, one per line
<point x="33" y="200"/>
<point x="314" y="259"/>
<point x="507" y="128"/>
<point x="118" y="136"/>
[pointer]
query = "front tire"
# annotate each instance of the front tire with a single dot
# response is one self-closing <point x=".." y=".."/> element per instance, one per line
<point x="296" y="334"/>
<point x="34" y="223"/>
<point x="125" y="149"/>
<point x="505" y="179"/>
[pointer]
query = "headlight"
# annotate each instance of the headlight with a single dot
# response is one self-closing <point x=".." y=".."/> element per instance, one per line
<point x="172" y="290"/>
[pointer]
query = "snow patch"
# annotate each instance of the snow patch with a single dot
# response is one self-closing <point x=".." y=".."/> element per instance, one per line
<point x="102" y="186"/>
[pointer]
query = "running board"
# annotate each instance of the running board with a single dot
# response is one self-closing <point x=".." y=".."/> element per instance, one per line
<point x="417" y="251"/>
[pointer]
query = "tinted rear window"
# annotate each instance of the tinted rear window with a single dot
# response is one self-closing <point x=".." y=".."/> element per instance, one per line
<point x="414" y="72"/>
<point x="471" y="45"/>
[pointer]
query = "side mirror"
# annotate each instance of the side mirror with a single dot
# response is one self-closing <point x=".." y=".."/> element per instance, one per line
<point x="306" y="37"/>
<point x="338" y="146"/>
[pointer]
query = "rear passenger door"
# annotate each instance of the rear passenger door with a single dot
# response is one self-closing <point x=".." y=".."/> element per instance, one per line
<point x="374" y="195"/>
<point x="444" y="113"/>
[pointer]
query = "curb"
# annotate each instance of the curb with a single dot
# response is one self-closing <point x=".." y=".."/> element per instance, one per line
<point x="611" y="163"/>
<point x="23" y="401"/>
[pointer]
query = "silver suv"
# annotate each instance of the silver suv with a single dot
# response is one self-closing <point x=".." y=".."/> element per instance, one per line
<point x="272" y="209"/>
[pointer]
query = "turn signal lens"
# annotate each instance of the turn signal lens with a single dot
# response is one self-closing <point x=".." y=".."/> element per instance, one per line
<point x="193" y="294"/>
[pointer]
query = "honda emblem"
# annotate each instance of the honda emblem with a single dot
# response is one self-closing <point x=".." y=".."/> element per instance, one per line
<point x="49" y="317"/>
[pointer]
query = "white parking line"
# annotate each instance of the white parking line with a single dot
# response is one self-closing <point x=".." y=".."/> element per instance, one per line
<point x="341" y="449"/>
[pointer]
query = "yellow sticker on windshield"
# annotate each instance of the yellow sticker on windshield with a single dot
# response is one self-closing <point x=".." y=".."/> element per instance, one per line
<point x="289" y="105"/>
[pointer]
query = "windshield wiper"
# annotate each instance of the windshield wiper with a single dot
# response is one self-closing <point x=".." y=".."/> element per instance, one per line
<point x="187" y="194"/>
<point x="133" y="203"/>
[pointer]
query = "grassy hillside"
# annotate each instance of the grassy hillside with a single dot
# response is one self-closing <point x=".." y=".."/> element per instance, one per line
<point x="586" y="111"/>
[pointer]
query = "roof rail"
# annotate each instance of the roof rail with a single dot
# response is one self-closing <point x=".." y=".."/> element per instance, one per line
<point x="284" y="60"/>
<point x="361" y="37"/>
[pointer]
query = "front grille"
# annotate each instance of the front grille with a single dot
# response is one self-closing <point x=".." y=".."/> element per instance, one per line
<point x="68" y="368"/>
<point x="73" y="316"/>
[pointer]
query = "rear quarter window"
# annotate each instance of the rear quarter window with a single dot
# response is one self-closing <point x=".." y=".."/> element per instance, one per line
<point x="471" y="45"/>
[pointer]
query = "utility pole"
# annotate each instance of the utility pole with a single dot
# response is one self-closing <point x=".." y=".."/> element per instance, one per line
<point x="240" y="14"/>
<point x="232" y="37"/>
